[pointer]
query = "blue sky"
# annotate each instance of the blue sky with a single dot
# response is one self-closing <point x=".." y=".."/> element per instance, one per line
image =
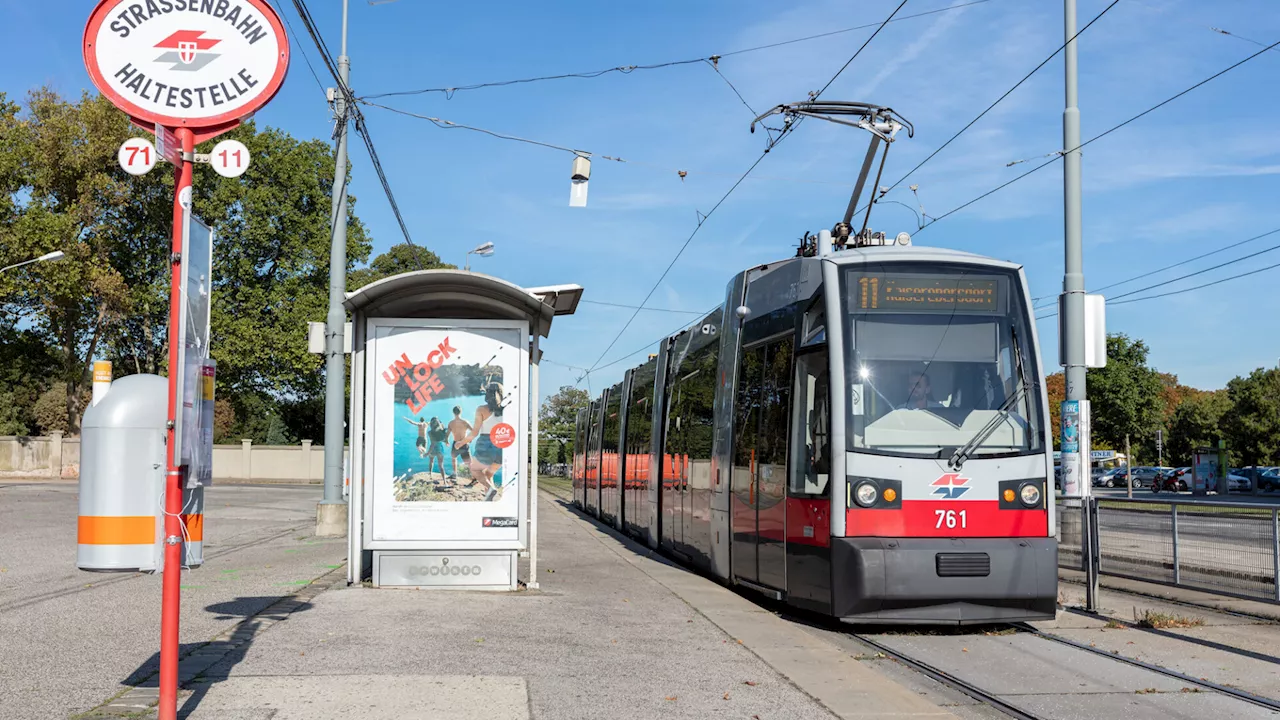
<point x="1197" y="174"/>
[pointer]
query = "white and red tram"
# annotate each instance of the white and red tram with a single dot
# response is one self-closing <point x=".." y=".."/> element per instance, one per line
<point x="863" y="433"/>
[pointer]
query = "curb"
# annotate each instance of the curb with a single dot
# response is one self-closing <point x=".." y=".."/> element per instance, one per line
<point x="140" y="701"/>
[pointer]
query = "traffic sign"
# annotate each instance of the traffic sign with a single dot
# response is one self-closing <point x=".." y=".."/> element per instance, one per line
<point x="167" y="145"/>
<point x="186" y="64"/>
<point x="137" y="156"/>
<point x="230" y="158"/>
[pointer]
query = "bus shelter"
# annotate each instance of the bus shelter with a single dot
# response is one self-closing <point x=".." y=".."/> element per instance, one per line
<point x="443" y="428"/>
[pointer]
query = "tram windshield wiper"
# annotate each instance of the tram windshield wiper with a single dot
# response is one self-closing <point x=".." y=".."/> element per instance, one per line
<point x="1002" y="414"/>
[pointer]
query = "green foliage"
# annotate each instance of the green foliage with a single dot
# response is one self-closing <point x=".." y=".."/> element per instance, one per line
<point x="50" y="410"/>
<point x="1125" y="396"/>
<point x="1253" y="425"/>
<point x="1196" y="423"/>
<point x="399" y="258"/>
<point x="557" y="421"/>
<point x="61" y="188"/>
<point x="27" y="368"/>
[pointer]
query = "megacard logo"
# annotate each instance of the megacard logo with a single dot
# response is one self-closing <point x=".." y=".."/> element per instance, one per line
<point x="500" y="522"/>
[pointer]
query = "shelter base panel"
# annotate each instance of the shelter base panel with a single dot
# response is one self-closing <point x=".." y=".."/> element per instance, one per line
<point x="461" y="570"/>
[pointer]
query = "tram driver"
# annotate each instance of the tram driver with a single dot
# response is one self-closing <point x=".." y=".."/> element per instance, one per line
<point x="919" y="393"/>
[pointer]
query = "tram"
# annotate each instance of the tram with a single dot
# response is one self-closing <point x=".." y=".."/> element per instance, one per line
<point x="862" y="433"/>
<point x="860" y="430"/>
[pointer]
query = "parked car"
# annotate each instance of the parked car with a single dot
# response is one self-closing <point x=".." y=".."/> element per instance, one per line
<point x="1270" y="479"/>
<point x="1170" y="479"/>
<point x="1146" y="477"/>
<point x="1238" y="482"/>
<point x="1115" y="477"/>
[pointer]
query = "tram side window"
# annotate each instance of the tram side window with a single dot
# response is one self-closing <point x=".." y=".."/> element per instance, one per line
<point x="777" y="392"/>
<point x="815" y="324"/>
<point x="812" y="461"/>
<point x="746" y="409"/>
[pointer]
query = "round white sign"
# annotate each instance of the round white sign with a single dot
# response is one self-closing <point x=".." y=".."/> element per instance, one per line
<point x="192" y="63"/>
<point x="230" y="158"/>
<point x="137" y="156"/>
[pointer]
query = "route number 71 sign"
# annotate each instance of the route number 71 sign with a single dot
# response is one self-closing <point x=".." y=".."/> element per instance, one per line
<point x="137" y="156"/>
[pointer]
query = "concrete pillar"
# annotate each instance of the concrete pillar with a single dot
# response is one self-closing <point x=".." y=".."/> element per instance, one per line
<point x="55" y="454"/>
<point x="306" y="461"/>
<point x="246" y="459"/>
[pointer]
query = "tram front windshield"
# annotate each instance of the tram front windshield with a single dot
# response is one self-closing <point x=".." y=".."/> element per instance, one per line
<point x="936" y="353"/>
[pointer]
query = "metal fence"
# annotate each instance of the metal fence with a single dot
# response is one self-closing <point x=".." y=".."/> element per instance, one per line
<point x="1230" y="548"/>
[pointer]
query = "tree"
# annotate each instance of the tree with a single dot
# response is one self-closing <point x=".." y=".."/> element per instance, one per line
<point x="399" y="258"/>
<point x="1056" y="387"/>
<point x="1196" y="423"/>
<point x="63" y="190"/>
<point x="1252" y="426"/>
<point x="558" y="419"/>
<point x="50" y="410"/>
<point x="27" y="369"/>
<point x="1125" y="396"/>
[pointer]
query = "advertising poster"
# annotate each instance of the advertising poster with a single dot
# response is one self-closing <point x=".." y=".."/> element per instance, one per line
<point x="447" y="420"/>
<point x="1074" y="476"/>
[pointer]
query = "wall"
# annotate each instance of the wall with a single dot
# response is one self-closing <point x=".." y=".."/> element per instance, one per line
<point x="29" y="456"/>
<point x="245" y="462"/>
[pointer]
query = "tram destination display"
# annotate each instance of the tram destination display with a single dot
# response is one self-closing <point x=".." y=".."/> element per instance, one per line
<point x="901" y="292"/>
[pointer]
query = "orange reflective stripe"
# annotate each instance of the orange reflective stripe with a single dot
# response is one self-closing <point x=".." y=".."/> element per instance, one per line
<point x="125" y="530"/>
<point x="195" y="527"/>
<point x="131" y="530"/>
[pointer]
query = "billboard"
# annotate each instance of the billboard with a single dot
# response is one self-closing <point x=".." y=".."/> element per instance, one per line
<point x="446" y="427"/>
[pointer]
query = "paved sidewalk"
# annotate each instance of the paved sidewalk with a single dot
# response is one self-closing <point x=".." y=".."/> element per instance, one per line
<point x="69" y="639"/>
<point x="614" y="632"/>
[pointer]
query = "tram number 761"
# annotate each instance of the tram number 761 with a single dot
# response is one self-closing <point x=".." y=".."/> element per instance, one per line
<point x="952" y="518"/>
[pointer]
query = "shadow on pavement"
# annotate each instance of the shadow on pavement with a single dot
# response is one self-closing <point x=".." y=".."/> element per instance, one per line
<point x="202" y="664"/>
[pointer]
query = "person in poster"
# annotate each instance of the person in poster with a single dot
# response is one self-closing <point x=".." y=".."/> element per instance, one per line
<point x="422" y="473"/>
<point x="486" y="458"/>
<point x="459" y="450"/>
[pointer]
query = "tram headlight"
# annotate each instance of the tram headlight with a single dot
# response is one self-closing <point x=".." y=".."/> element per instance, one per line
<point x="865" y="493"/>
<point x="1030" y="495"/>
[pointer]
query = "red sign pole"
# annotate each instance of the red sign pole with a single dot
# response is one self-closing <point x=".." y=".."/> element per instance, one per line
<point x="171" y="600"/>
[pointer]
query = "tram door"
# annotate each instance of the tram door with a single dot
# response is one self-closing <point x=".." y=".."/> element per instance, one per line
<point x="759" y="475"/>
<point x="809" y="491"/>
<point x="674" y="482"/>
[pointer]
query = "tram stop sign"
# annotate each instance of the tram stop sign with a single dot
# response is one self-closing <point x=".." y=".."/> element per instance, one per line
<point x="190" y="64"/>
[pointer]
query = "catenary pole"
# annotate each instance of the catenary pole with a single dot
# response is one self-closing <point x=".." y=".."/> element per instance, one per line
<point x="1073" y="280"/>
<point x="334" y="361"/>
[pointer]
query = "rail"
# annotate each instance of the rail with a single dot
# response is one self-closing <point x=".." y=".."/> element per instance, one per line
<point x="1231" y="548"/>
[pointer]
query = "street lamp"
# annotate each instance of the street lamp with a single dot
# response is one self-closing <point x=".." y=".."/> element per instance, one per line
<point x="47" y="256"/>
<point x="486" y="250"/>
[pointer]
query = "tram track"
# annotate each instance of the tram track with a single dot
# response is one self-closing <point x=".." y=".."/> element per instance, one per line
<point x="1011" y="709"/>
<point x="211" y="555"/>
<point x="1265" y="702"/>
<point x="949" y="680"/>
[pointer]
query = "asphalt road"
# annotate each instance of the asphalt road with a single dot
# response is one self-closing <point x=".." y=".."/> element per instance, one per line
<point x="71" y="638"/>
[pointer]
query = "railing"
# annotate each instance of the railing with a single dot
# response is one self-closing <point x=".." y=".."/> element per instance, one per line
<point x="1226" y="547"/>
